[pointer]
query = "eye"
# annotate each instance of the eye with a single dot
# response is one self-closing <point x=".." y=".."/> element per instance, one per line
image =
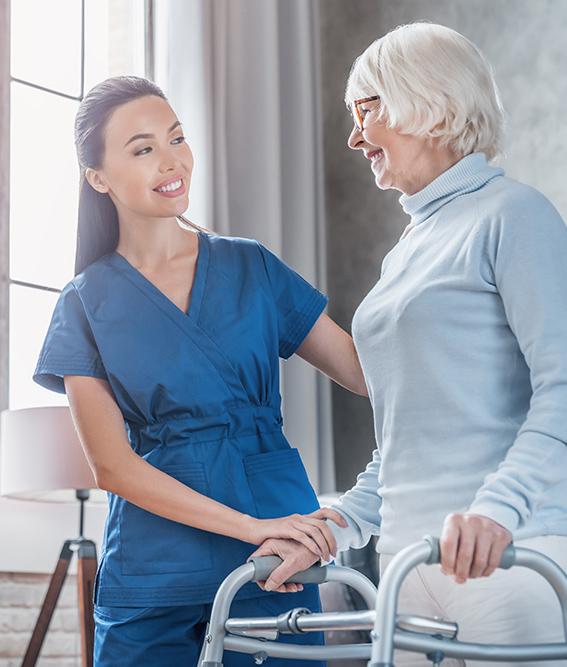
<point x="178" y="140"/>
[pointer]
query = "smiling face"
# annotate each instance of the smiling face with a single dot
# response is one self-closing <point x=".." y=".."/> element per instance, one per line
<point x="398" y="161"/>
<point x="147" y="163"/>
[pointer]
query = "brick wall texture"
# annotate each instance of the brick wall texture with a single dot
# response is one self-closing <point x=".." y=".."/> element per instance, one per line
<point x="21" y="597"/>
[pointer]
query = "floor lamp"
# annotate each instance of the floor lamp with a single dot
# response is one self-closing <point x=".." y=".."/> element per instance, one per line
<point x="41" y="459"/>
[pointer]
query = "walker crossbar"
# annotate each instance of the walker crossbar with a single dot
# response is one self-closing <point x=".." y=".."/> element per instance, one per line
<point x="434" y="637"/>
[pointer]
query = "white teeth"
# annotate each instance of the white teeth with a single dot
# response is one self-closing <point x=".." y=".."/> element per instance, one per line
<point x="171" y="187"/>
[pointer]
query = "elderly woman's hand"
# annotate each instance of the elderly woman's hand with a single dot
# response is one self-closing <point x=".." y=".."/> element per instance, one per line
<point x="295" y="557"/>
<point x="472" y="546"/>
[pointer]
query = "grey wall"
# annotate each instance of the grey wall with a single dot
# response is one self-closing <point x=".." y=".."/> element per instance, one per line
<point x="525" y="42"/>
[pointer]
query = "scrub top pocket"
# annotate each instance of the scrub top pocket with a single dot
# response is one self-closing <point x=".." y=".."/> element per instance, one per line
<point x="279" y="484"/>
<point x="152" y="544"/>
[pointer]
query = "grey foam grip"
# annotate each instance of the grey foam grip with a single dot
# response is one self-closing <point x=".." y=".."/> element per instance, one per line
<point x="508" y="556"/>
<point x="265" y="565"/>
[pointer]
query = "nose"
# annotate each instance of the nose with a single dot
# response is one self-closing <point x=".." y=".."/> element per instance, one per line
<point x="169" y="161"/>
<point x="355" y="139"/>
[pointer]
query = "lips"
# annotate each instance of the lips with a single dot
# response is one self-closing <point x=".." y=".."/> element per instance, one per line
<point x="378" y="153"/>
<point x="172" y="179"/>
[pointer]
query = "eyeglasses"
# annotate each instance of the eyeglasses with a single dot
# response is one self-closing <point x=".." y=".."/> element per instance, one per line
<point x="355" y="111"/>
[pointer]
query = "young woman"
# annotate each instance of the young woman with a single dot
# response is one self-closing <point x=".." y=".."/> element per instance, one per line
<point x="167" y="343"/>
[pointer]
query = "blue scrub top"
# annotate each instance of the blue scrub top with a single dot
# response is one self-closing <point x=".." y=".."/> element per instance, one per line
<point x="199" y="391"/>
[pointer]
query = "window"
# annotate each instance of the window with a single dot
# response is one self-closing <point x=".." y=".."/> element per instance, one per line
<point x="59" y="50"/>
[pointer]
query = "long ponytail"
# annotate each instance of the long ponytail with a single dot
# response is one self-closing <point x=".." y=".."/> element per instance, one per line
<point x="97" y="227"/>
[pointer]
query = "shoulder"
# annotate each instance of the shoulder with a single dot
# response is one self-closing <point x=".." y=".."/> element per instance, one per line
<point x="237" y="253"/>
<point x="507" y="199"/>
<point x="233" y="245"/>
<point x="93" y="283"/>
<point x="509" y="207"/>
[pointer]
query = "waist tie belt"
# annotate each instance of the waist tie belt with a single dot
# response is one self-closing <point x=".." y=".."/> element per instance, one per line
<point x="181" y="428"/>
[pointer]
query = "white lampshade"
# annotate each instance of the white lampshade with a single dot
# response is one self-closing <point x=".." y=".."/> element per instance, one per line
<point x="41" y="457"/>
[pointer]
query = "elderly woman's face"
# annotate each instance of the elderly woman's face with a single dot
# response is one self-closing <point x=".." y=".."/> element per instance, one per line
<point x="398" y="161"/>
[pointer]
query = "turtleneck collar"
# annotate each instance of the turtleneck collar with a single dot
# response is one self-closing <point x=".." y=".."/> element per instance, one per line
<point x="468" y="174"/>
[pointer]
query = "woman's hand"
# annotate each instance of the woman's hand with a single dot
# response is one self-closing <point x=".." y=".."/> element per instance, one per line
<point x="295" y="558"/>
<point x="472" y="546"/>
<point x="311" y="530"/>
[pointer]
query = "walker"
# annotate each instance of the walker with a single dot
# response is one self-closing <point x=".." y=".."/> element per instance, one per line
<point x="436" y="638"/>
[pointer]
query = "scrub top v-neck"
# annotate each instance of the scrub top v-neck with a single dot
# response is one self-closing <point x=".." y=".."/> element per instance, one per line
<point x="199" y="277"/>
<point x="199" y="393"/>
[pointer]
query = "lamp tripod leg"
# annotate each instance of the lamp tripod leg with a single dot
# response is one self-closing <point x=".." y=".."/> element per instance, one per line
<point x="49" y="602"/>
<point x="86" y="571"/>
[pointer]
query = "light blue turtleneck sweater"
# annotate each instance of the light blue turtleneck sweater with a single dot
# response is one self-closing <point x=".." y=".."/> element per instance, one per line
<point x="463" y="342"/>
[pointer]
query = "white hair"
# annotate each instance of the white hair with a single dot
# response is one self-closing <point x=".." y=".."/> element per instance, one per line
<point x="434" y="82"/>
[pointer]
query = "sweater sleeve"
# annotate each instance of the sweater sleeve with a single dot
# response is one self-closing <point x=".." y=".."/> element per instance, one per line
<point x="529" y="262"/>
<point x="360" y="506"/>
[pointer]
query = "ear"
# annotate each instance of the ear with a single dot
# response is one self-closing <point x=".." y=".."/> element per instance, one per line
<point x="96" y="181"/>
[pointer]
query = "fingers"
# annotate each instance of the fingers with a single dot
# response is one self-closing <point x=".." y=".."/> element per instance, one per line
<point x="284" y="588"/>
<point x="464" y="557"/>
<point x="307" y="541"/>
<point x="321" y="534"/>
<point x="278" y="577"/>
<point x="328" y="513"/>
<point x="316" y="535"/>
<point x="263" y="550"/>
<point x="481" y="552"/>
<point x="449" y="543"/>
<point x="472" y="546"/>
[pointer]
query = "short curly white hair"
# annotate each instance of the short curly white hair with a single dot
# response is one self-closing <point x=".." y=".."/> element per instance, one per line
<point x="432" y="81"/>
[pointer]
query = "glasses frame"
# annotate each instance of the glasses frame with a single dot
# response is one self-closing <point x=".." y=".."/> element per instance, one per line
<point x="355" y="111"/>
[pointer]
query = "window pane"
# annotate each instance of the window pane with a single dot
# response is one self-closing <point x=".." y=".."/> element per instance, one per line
<point x="44" y="183"/>
<point x="114" y="39"/>
<point x="46" y="43"/>
<point x="30" y="314"/>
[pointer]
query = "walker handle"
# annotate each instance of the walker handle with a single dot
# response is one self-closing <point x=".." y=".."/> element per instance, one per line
<point x="265" y="565"/>
<point x="508" y="555"/>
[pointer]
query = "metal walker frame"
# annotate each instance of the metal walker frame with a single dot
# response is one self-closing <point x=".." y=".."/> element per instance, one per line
<point x="434" y="637"/>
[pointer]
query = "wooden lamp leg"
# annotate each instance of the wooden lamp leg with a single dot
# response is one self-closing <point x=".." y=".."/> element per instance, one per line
<point x="44" y="619"/>
<point x="86" y="571"/>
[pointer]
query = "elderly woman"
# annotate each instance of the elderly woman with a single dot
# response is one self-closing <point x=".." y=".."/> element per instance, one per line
<point x="463" y="343"/>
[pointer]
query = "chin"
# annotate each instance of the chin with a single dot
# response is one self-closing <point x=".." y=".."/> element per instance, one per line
<point x="381" y="185"/>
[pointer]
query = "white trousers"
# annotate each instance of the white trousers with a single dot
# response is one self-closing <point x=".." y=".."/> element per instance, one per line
<point x="515" y="606"/>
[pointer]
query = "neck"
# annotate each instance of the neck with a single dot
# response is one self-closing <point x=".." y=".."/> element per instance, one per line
<point x="152" y="243"/>
<point x="469" y="174"/>
<point x="437" y="162"/>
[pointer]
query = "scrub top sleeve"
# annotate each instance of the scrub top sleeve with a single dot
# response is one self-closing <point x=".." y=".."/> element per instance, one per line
<point x="69" y="347"/>
<point x="298" y="303"/>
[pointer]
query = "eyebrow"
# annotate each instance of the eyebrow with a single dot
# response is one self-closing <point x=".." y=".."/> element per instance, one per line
<point x="150" y="136"/>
